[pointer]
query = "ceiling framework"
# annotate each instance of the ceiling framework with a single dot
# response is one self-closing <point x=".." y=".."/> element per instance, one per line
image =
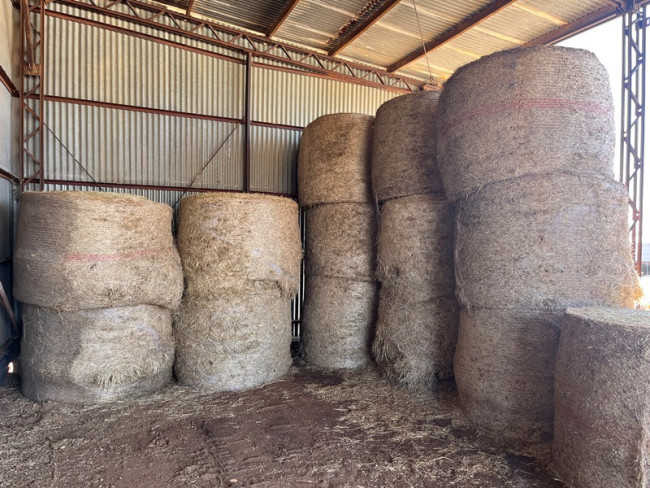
<point x="291" y="4"/>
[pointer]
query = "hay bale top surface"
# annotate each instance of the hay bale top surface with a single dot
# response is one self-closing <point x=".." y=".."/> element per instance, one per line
<point x="627" y="318"/>
<point x="237" y="197"/>
<point x="87" y="196"/>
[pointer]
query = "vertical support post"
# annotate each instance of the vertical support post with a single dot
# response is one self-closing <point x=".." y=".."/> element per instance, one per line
<point x="633" y="122"/>
<point x="247" y="134"/>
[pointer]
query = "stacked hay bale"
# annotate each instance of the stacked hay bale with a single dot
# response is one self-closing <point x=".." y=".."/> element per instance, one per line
<point x="241" y="256"/>
<point x="98" y="275"/>
<point x="526" y="141"/>
<point x="340" y="228"/>
<point x="418" y="317"/>
<point x="602" y="402"/>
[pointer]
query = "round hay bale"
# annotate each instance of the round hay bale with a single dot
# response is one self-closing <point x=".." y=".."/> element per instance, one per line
<point x="504" y="367"/>
<point x="238" y="341"/>
<point x="83" y="250"/>
<point x="229" y="239"/>
<point x="337" y="322"/>
<point x="415" y="247"/>
<point x="546" y="242"/>
<point x="334" y="160"/>
<point x="92" y="356"/>
<point x="415" y="341"/>
<point x="525" y="111"/>
<point x="602" y="401"/>
<point x="340" y="240"/>
<point x="404" y="147"/>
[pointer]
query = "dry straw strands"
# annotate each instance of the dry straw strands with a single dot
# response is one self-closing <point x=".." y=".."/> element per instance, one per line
<point x="545" y="242"/>
<point x="228" y="239"/>
<point x="504" y="367"/>
<point x="340" y="240"/>
<point x="404" y="148"/>
<point x="334" y="160"/>
<point x="547" y="108"/>
<point x="90" y="356"/>
<point x="602" y="399"/>
<point x="83" y="250"/>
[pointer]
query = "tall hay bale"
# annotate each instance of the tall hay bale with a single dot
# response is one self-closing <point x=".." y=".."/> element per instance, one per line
<point x="334" y="160"/>
<point x="525" y="111"/>
<point x="404" y="147"/>
<point x="338" y="318"/>
<point x="415" y="246"/>
<point x="546" y="242"/>
<point x="340" y="240"/>
<point x="91" y="356"/>
<point x="415" y="341"/>
<point x="504" y="367"/>
<point x="229" y="239"/>
<point x="83" y="250"/>
<point x="238" y="341"/>
<point x="602" y="401"/>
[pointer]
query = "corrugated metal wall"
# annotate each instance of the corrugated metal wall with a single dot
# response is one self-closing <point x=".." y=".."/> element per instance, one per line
<point x="6" y="222"/>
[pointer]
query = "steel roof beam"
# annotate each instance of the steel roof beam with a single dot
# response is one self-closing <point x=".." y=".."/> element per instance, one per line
<point x="288" y="8"/>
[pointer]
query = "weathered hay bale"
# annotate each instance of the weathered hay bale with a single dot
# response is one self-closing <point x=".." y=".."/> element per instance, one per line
<point x="525" y="111"/>
<point x="547" y="242"/>
<point x="334" y="160"/>
<point x="415" y="341"/>
<point x="91" y="356"/>
<point x="340" y="240"/>
<point x="237" y="341"/>
<point x="415" y="247"/>
<point x="602" y="401"/>
<point x="504" y="371"/>
<point x="338" y="319"/>
<point x="83" y="250"/>
<point x="404" y="147"/>
<point x="228" y="239"/>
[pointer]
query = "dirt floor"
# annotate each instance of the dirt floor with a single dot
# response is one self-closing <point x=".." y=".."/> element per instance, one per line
<point x="312" y="428"/>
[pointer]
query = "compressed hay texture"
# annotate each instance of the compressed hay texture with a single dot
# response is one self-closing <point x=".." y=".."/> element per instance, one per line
<point x="404" y="147"/>
<point x="338" y="320"/>
<point x="340" y="240"/>
<point x="227" y="240"/>
<point x="415" y="341"/>
<point x="525" y="111"/>
<point x="546" y="242"/>
<point x="83" y="250"/>
<point x="238" y="341"/>
<point x="92" y="356"/>
<point x="334" y="160"/>
<point x="602" y="400"/>
<point x="415" y="247"/>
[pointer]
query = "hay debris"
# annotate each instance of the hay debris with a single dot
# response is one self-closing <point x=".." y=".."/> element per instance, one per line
<point x="227" y="240"/>
<point x="91" y="356"/>
<point x="83" y="250"/>
<point x="338" y="319"/>
<point x="602" y="401"/>
<point x="340" y="240"/>
<point x="334" y="160"/>
<point x="525" y="111"/>
<point x="404" y="147"/>
<point x="504" y="368"/>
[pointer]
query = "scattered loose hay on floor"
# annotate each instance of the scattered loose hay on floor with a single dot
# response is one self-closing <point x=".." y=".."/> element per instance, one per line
<point x="404" y="147"/>
<point x="81" y="250"/>
<point x="602" y="399"/>
<point x="340" y="240"/>
<point x="338" y="320"/>
<point x="334" y="160"/>
<point x="101" y="355"/>
<point x="525" y="111"/>
<point x="504" y="368"/>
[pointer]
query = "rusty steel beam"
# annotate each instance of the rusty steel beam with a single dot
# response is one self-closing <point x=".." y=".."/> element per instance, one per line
<point x="6" y="175"/>
<point x="9" y="85"/>
<point x="362" y="27"/>
<point x="471" y="21"/>
<point x="247" y="126"/>
<point x="190" y="6"/>
<point x="288" y="8"/>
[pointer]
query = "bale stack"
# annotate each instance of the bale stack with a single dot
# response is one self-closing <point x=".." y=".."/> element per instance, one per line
<point x="526" y="141"/>
<point x="241" y="256"/>
<point x="340" y="232"/>
<point x="418" y="317"/>
<point x="602" y="401"/>
<point x="98" y="274"/>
